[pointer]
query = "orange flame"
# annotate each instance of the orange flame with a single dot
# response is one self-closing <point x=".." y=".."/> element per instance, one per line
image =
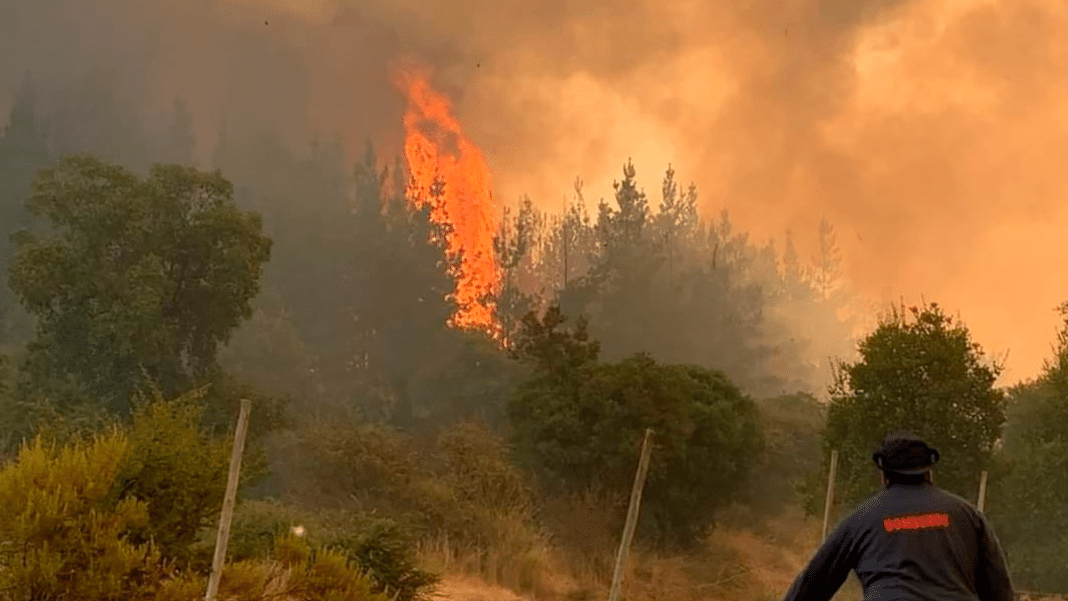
<point x="438" y="152"/>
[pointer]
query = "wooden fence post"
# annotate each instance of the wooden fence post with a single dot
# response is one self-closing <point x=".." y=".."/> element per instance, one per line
<point x="632" y="516"/>
<point x="228" y="501"/>
<point x="830" y="495"/>
<point x="982" y="492"/>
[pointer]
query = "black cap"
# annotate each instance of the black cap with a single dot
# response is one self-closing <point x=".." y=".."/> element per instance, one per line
<point x="905" y="454"/>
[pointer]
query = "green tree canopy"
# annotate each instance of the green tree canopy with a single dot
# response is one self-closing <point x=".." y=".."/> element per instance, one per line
<point x="580" y="427"/>
<point x="1027" y="489"/>
<point x="918" y="371"/>
<point x="135" y="274"/>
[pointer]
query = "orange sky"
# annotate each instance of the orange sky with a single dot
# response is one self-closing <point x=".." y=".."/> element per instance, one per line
<point x="930" y="132"/>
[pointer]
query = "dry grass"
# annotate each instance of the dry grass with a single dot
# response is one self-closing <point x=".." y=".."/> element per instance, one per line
<point x="738" y="563"/>
<point x="472" y="589"/>
<point x="517" y="557"/>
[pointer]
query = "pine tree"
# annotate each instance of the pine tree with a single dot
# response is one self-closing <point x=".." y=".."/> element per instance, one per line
<point x="512" y="245"/>
<point x="826" y="276"/>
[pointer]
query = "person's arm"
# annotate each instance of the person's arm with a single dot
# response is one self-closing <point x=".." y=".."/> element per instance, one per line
<point x="827" y="570"/>
<point x="992" y="579"/>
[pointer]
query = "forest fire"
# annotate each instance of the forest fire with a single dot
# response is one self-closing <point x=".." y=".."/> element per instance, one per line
<point x="437" y="152"/>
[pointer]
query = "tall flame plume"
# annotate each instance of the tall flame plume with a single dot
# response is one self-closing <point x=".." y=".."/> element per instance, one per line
<point x="449" y="172"/>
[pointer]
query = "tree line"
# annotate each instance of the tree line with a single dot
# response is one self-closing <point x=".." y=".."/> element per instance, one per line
<point x="319" y="290"/>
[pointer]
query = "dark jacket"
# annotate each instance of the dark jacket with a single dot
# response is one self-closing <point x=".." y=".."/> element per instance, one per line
<point x="910" y="542"/>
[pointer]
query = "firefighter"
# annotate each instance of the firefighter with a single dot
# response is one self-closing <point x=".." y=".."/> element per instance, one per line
<point x="912" y="541"/>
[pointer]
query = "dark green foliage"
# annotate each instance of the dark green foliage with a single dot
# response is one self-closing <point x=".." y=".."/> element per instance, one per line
<point x="178" y="471"/>
<point x="1027" y="488"/>
<point x="922" y="374"/>
<point x="380" y="547"/>
<point x="470" y="377"/>
<point x="793" y="430"/>
<point x="136" y="274"/>
<point x="384" y="552"/>
<point x="402" y="289"/>
<point x="222" y="403"/>
<point x="257" y="525"/>
<point x="268" y="352"/>
<point x="513" y="245"/>
<point x="306" y="213"/>
<point x="554" y="351"/>
<point x="14" y="424"/>
<point x="579" y="424"/>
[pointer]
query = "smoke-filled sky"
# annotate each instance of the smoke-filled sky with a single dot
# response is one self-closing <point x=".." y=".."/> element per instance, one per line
<point x="930" y="132"/>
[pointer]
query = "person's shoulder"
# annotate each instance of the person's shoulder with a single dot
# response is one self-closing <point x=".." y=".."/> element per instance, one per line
<point x="865" y="509"/>
<point x="960" y="505"/>
<point x="950" y="497"/>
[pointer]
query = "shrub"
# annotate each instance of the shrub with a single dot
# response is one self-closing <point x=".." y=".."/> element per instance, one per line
<point x="793" y="427"/>
<point x="582" y="432"/>
<point x="297" y="572"/>
<point x="381" y="548"/>
<point x="474" y="472"/>
<point x="458" y="489"/>
<point x="66" y="536"/>
<point x="1031" y="520"/>
<point x="257" y="524"/>
<point x="178" y="471"/>
<point x="361" y="468"/>
<point x="16" y="423"/>
<point x="483" y="511"/>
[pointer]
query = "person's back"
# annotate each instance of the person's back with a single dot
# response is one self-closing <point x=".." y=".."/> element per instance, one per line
<point x="911" y="542"/>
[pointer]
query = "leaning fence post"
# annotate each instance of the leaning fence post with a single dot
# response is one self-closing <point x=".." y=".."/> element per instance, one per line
<point x="228" y="501"/>
<point x="830" y="495"/>
<point x="632" y="516"/>
<point x="982" y="491"/>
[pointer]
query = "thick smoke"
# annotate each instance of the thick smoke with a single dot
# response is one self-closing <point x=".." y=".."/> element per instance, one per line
<point x="929" y="131"/>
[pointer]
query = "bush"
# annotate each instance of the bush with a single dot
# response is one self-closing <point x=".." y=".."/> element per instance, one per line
<point x="459" y="490"/>
<point x="361" y="468"/>
<point x="297" y="571"/>
<point x="483" y="511"/>
<point x="1031" y="519"/>
<point x="793" y="427"/>
<point x="585" y="431"/>
<point x="16" y="423"/>
<point x="178" y="471"/>
<point x="256" y="525"/>
<point x="67" y="537"/>
<point x="482" y="484"/>
<point x="381" y="548"/>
